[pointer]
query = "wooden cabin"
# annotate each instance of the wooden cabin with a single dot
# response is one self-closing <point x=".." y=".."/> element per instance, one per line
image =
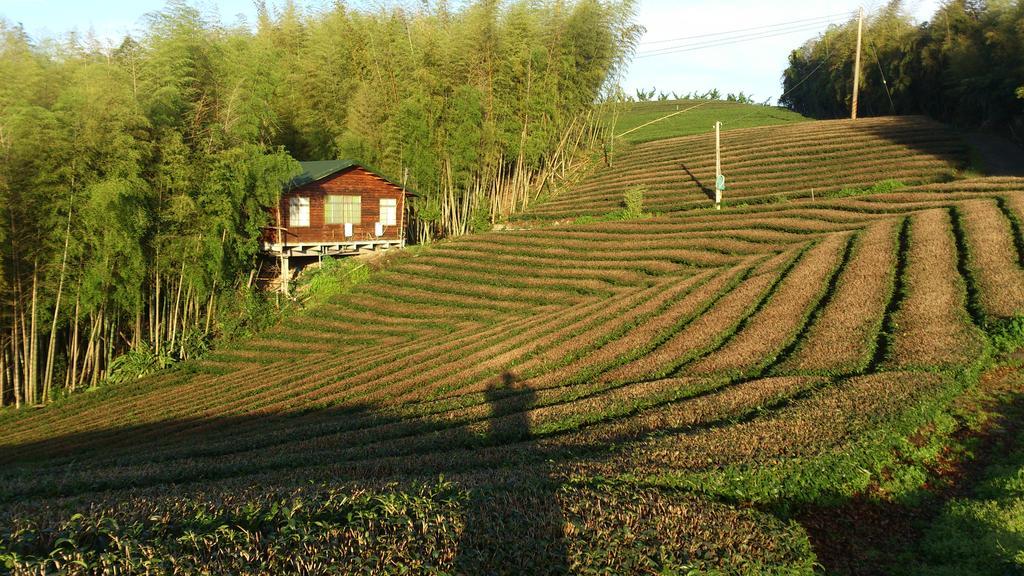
<point x="336" y="207"/>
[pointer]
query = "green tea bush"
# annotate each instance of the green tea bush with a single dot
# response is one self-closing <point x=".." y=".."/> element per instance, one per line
<point x="520" y="527"/>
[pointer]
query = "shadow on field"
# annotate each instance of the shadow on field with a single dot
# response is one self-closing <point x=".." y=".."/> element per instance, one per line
<point x="512" y="519"/>
<point x="519" y="523"/>
<point x="706" y="190"/>
<point x="923" y="136"/>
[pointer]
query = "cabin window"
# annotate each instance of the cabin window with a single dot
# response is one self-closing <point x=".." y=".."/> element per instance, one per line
<point x="342" y="210"/>
<point x="388" y="211"/>
<point x="298" y="211"/>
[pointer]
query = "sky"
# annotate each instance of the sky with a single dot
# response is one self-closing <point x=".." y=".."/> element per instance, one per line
<point x="753" y="67"/>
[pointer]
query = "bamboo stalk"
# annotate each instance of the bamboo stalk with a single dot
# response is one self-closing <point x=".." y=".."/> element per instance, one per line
<point x="209" y="307"/>
<point x="90" y="356"/>
<point x="155" y="325"/>
<point x="51" y="349"/>
<point x="34" y="338"/>
<point x="15" y="380"/>
<point x="3" y="373"/>
<point x="177" y="302"/>
<point x="73" y="355"/>
<point x="26" y="376"/>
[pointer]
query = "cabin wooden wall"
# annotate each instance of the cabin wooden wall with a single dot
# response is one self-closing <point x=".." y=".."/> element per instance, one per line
<point x="356" y="181"/>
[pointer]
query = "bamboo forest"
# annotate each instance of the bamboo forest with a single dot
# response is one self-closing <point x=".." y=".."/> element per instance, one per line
<point x="135" y="177"/>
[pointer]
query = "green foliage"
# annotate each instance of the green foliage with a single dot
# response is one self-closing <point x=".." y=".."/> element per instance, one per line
<point x="963" y="67"/>
<point x="633" y="206"/>
<point x="136" y="185"/>
<point x="633" y="202"/>
<point x="436" y="528"/>
<point x="245" y="314"/>
<point x="1008" y="335"/>
<point x="471" y="100"/>
<point x="136" y="363"/>
<point x="333" y="277"/>
<point x="979" y="530"/>
<point x="882" y="187"/>
<point x="481" y="221"/>
<point x="643" y="95"/>
<point x="415" y="529"/>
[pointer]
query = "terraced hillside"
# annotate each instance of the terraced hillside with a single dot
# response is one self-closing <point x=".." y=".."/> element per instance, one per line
<point x="601" y="396"/>
<point x="769" y="164"/>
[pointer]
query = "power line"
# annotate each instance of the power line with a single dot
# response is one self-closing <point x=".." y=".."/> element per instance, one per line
<point x="892" y="106"/>
<point x="667" y="116"/>
<point x="646" y="124"/>
<point x="804" y="79"/>
<point x="734" y="38"/>
<point x="794" y="87"/>
<point x="780" y="24"/>
<point x="724" y="41"/>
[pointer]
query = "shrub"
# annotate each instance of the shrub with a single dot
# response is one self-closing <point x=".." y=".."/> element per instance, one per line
<point x="633" y="208"/>
<point x="332" y="278"/>
<point x="136" y="363"/>
<point x="882" y="187"/>
<point x="886" y="186"/>
<point x="1009" y="335"/>
<point x="633" y="200"/>
<point x="245" y="315"/>
<point x="481" y="221"/>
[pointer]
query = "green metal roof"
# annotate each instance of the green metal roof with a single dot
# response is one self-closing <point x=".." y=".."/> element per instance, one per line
<point x="315" y="170"/>
<point x="318" y="170"/>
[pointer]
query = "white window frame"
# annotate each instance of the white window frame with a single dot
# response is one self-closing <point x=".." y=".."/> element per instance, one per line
<point x="332" y="212"/>
<point x="389" y="211"/>
<point x="332" y="217"/>
<point x="298" y="212"/>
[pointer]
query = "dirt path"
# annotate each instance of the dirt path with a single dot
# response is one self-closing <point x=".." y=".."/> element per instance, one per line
<point x="998" y="156"/>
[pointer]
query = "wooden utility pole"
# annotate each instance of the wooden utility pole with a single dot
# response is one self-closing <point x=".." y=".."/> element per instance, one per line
<point x="856" y="65"/>
<point x="286" y="274"/>
<point x="719" y="179"/>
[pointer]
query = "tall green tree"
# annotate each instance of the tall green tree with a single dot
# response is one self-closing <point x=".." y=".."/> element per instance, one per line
<point x="964" y="66"/>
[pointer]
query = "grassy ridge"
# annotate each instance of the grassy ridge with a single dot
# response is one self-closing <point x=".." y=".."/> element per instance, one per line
<point x="733" y="115"/>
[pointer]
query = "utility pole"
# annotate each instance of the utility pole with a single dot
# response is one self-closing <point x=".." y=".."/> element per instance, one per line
<point x="286" y="274"/>
<point x="719" y="179"/>
<point x="856" y="65"/>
